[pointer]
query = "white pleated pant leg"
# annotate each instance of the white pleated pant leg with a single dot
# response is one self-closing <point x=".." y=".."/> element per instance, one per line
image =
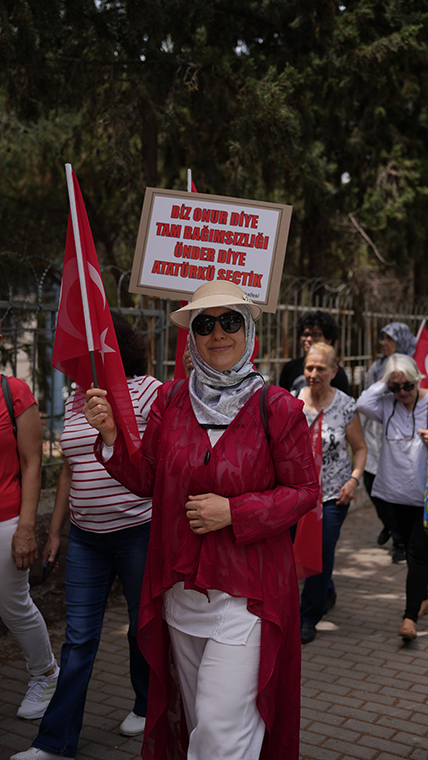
<point x="218" y="684"/>
<point x="17" y="609"/>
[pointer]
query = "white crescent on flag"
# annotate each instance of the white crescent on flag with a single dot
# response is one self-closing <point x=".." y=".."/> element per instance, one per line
<point x="70" y="276"/>
<point x="105" y="349"/>
<point x="96" y="279"/>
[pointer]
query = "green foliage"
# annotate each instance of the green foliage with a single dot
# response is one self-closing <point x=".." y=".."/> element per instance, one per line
<point x="51" y="470"/>
<point x="269" y="99"/>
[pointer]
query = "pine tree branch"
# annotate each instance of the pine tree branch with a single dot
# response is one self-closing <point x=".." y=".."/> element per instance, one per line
<point x="368" y="240"/>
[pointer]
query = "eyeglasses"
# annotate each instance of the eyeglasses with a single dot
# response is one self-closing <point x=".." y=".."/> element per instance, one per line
<point x="396" y="388"/>
<point x="230" y="322"/>
<point x="315" y="335"/>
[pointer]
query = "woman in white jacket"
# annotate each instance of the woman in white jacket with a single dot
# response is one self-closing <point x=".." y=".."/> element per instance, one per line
<point x="395" y="337"/>
<point x="401" y="406"/>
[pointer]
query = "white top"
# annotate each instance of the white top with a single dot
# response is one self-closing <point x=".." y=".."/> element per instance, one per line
<point x="373" y="437"/>
<point x="402" y="469"/>
<point x="218" y="616"/>
<point x="373" y="430"/>
<point x="336" y="467"/>
<point x="97" y="502"/>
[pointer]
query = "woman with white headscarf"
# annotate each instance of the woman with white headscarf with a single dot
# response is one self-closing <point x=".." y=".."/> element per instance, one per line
<point x="395" y="337"/>
<point x="219" y="620"/>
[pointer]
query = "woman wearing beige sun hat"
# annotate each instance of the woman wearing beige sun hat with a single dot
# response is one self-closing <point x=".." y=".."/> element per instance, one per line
<point x="209" y="295"/>
<point x="220" y="596"/>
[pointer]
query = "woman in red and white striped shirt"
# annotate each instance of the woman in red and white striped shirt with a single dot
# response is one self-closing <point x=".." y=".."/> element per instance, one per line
<point x="109" y="534"/>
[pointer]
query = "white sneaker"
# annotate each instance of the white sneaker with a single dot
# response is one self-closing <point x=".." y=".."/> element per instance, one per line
<point x="131" y="726"/>
<point x="36" y="754"/>
<point x="39" y="694"/>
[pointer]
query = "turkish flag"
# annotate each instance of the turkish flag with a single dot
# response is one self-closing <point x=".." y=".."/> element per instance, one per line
<point x="71" y="353"/>
<point x="421" y="353"/>
<point x="308" y="540"/>
<point x="255" y="351"/>
<point x="179" y="371"/>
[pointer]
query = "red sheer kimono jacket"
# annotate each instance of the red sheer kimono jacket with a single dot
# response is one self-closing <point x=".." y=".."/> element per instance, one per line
<point x="270" y="485"/>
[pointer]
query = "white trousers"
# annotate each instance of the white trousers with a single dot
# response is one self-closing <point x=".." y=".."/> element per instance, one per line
<point x="17" y="609"/>
<point x="218" y="684"/>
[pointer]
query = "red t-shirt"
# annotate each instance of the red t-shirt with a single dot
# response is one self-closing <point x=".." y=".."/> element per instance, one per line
<point x="10" y="488"/>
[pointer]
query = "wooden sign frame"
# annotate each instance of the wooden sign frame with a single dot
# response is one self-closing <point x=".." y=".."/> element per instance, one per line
<point x="185" y="239"/>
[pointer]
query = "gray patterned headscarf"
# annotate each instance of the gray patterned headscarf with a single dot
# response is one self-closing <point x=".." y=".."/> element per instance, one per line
<point x="405" y="343"/>
<point x="216" y="396"/>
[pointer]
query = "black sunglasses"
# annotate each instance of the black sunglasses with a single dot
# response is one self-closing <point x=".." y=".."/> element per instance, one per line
<point x="396" y="388"/>
<point x="229" y="322"/>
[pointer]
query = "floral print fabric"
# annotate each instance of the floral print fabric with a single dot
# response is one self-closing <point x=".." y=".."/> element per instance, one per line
<point x="336" y="467"/>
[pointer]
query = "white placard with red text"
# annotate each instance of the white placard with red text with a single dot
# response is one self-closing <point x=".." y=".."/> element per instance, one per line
<point x="186" y="239"/>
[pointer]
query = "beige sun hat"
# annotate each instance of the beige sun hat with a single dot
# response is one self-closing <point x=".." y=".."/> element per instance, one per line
<point x="210" y="295"/>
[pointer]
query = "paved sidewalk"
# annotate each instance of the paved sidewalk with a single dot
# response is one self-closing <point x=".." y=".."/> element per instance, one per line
<point x="364" y="693"/>
<point x="110" y="696"/>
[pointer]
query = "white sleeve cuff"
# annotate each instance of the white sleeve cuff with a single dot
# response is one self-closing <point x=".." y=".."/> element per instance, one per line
<point x="106" y="452"/>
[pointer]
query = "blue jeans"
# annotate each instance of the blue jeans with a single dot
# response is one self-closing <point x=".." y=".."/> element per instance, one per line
<point x="93" y="561"/>
<point x="318" y="587"/>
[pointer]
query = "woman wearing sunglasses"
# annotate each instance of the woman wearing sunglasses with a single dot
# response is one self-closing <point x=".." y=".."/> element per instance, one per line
<point x="220" y="577"/>
<point x="401" y="406"/>
<point x="395" y="337"/>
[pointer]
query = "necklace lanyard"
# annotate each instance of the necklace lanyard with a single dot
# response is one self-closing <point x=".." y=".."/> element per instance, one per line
<point x="413" y="421"/>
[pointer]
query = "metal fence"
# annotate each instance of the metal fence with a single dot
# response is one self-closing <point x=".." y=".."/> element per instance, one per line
<point x="28" y="327"/>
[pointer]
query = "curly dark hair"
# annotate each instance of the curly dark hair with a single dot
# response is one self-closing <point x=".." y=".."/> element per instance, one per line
<point x="326" y="323"/>
<point x="132" y="346"/>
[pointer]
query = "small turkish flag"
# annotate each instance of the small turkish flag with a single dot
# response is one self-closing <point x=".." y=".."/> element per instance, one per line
<point x="179" y="370"/>
<point x="71" y="353"/>
<point x="308" y="540"/>
<point x="421" y="354"/>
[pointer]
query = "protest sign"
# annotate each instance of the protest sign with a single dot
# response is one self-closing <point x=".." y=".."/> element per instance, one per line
<point x="186" y="239"/>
